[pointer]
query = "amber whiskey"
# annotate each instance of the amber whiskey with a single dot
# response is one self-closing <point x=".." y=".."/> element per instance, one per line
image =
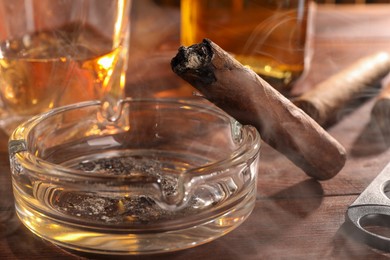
<point x="56" y="67"/>
<point x="267" y="36"/>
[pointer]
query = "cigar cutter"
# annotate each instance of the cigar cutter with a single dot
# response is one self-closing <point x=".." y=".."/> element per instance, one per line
<point x="368" y="217"/>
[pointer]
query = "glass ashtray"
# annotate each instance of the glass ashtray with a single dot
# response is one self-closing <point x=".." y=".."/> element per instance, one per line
<point x="164" y="175"/>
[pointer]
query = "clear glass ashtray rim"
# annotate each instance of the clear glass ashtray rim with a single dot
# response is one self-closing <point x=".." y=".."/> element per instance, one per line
<point x="247" y="150"/>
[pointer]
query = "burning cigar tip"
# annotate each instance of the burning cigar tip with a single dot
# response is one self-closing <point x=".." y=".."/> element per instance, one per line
<point x="195" y="57"/>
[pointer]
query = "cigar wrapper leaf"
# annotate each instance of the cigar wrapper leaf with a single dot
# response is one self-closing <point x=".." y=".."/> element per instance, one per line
<point x="245" y="96"/>
<point x="328" y="98"/>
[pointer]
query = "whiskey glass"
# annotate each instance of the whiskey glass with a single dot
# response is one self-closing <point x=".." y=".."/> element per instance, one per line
<point x="270" y="37"/>
<point x="165" y="175"/>
<point x="54" y="53"/>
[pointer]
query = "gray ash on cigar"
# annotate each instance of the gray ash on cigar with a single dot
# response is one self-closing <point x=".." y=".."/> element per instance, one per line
<point x="198" y="58"/>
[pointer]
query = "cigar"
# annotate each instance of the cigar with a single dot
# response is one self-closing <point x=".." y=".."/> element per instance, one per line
<point x="249" y="99"/>
<point x="329" y="97"/>
<point x="380" y="112"/>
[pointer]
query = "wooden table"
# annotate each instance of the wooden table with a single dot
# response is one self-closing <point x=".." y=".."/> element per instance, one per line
<point x="295" y="217"/>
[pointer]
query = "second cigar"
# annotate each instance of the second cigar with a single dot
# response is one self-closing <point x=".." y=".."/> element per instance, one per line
<point x="328" y="98"/>
<point x="250" y="100"/>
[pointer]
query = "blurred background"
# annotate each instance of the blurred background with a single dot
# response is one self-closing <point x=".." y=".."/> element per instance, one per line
<point x="155" y="38"/>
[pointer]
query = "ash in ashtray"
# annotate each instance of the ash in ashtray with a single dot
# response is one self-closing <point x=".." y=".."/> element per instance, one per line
<point x="127" y="209"/>
<point x="133" y="165"/>
<point x="134" y="210"/>
<point x="122" y="166"/>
